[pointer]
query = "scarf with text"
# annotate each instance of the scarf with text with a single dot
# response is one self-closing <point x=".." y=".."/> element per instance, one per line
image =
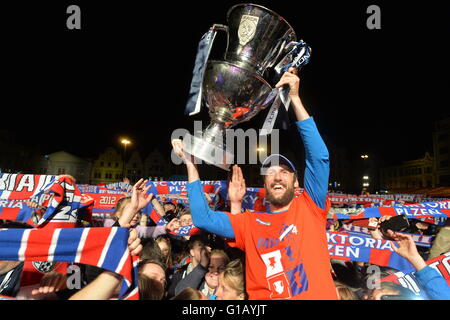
<point x="438" y="209"/>
<point x="105" y="248"/>
<point x="118" y="186"/>
<point x="179" y="187"/>
<point x="60" y="202"/>
<point x="353" y="247"/>
<point x="407" y="279"/>
<point x="339" y="198"/>
<point x="420" y="239"/>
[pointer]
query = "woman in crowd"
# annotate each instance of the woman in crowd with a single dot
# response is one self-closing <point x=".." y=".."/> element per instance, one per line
<point x="232" y="282"/>
<point x="166" y="250"/>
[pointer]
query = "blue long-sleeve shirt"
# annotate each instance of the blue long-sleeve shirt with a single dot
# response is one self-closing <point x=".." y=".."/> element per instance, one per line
<point x="317" y="170"/>
<point x="434" y="285"/>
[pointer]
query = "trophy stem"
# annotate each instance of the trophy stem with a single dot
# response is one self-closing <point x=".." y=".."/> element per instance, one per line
<point x="214" y="133"/>
<point x="211" y="148"/>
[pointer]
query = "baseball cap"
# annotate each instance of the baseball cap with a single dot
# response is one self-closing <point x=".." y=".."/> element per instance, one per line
<point x="276" y="160"/>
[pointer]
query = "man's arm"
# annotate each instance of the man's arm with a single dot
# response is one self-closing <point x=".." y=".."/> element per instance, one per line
<point x="197" y="275"/>
<point x="432" y="282"/>
<point x="317" y="167"/>
<point x="154" y="232"/>
<point x="104" y="287"/>
<point x="202" y="216"/>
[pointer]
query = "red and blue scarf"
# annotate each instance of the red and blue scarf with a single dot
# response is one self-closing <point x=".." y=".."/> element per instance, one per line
<point x="105" y="248"/>
<point x="407" y="279"/>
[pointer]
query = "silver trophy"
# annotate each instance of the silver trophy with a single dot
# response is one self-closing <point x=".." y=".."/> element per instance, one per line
<point x="236" y="88"/>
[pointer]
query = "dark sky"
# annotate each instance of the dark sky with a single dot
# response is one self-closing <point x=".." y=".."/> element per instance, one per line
<point x="128" y="71"/>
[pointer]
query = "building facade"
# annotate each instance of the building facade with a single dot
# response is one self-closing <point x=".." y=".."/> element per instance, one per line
<point x="441" y="146"/>
<point x="134" y="169"/>
<point x="62" y="162"/>
<point x="409" y="175"/>
<point x="108" y="167"/>
<point x="156" y="166"/>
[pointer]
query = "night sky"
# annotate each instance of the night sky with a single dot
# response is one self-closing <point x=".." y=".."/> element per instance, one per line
<point x="127" y="72"/>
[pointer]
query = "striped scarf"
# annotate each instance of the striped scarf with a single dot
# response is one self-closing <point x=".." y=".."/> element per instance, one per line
<point x="438" y="209"/>
<point x="59" y="197"/>
<point x="105" y="248"/>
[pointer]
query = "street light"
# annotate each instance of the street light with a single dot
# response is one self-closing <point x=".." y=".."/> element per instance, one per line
<point x="125" y="142"/>
<point x="365" y="177"/>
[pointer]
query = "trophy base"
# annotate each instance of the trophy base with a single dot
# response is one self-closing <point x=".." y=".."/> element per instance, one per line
<point x="208" y="152"/>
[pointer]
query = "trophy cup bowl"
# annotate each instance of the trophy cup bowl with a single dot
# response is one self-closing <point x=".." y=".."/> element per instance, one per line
<point x="236" y="89"/>
<point x="233" y="95"/>
<point x="257" y="36"/>
<point x="240" y="92"/>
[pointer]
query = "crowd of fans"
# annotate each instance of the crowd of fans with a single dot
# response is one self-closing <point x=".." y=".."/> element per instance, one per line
<point x="212" y="264"/>
<point x="208" y="267"/>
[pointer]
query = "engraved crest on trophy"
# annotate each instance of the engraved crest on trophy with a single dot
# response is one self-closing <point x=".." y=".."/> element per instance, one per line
<point x="247" y="29"/>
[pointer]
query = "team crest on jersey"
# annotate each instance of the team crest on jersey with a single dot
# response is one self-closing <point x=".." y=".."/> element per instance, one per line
<point x="279" y="287"/>
<point x="272" y="260"/>
<point x="45" y="266"/>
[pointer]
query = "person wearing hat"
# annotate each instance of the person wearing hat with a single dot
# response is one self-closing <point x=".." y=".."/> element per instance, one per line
<point x="286" y="248"/>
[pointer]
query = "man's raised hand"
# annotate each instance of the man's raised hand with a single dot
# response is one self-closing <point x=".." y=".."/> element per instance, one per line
<point x="139" y="200"/>
<point x="134" y="243"/>
<point x="292" y="80"/>
<point x="177" y="145"/>
<point x="236" y="187"/>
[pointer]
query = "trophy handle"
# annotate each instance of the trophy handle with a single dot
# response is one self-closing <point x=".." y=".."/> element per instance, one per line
<point x="274" y="55"/>
<point x="298" y="55"/>
<point x="278" y="50"/>
<point x="221" y="27"/>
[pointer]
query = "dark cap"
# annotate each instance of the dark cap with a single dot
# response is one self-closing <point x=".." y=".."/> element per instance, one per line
<point x="276" y="160"/>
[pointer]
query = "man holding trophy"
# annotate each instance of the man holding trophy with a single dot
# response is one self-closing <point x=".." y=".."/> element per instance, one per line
<point x="286" y="248"/>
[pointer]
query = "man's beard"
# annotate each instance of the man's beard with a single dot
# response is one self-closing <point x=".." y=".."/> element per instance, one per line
<point x="282" y="201"/>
